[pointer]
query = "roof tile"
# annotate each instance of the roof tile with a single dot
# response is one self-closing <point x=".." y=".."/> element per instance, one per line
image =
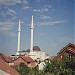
<point x="5" y="67"/>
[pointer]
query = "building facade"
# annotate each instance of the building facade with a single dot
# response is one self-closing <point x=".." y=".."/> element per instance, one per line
<point x="68" y="51"/>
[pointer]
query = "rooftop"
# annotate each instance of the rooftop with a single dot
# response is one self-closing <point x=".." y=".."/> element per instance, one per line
<point x="5" y="58"/>
<point x="8" y="69"/>
<point x="70" y="47"/>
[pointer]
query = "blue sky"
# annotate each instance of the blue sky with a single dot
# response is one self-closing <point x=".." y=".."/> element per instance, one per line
<point x="53" y="24"/>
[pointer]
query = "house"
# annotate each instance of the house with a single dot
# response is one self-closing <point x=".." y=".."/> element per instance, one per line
<point x="5" y="58"/>
<point x="68" y="51"/>
<point x="25" y="59"/>
<point x="5" y="69"/>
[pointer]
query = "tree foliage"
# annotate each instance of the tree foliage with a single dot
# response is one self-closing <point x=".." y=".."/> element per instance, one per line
<point x="54" y="67"/>
<point x="63" y="67"/>
<point x="23" y="69"/>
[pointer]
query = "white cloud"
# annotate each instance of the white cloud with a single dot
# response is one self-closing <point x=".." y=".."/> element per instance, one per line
<point x="25" y="5"/>
<point x="45" y="17"/>
<point x="9" y="12"/>
<point x="45" y="8"/>
<point x="13" y="2"/>
<point x="9" y="2"/>
<point x="12" y="11"/>
<point x="8" y="25"/>
<point x="8" y="33"/>
<point x="36" y="10"/>
<point x="51" y="23"/>
<point x="48" y="6"/>
<point x="41" y="10"/>
<point x="24" y="2"/>
<point x="26" y="8"/>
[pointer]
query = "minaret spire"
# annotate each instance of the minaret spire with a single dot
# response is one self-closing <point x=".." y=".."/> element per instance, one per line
<point x="31" y="39"/>
<point x="19" y="30"/>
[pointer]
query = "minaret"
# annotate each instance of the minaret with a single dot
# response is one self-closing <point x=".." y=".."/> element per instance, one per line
<point x="31" y="39"/>
<point x="18" y="45"/>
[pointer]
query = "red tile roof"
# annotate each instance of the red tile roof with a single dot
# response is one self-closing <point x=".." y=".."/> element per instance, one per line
<point x="5" y="67"/>
<point x="70" y="47"/>
<point x="5" y="58"/>
<point x="24" y="59"/>
<point x="27" y="58"/>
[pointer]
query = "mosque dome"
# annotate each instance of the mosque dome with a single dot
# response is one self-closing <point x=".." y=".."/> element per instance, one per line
<point x="36" y="48"/>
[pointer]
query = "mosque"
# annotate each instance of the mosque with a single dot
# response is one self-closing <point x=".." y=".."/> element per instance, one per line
<point x="34" y="52"/>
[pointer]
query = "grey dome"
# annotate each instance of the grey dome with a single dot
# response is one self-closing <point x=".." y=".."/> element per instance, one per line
<point x="36" y="48"/>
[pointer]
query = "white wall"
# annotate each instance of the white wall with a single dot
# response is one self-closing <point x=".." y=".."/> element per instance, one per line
<point x="41" y="65"/>
<point x="3" y="72"/>
<point x="38" y="54"/>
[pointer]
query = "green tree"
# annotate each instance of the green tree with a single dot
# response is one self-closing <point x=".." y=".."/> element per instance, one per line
<point x="54" y="67"/>
<point x="23" y="69"/>
<point x="62" y="67"/>
<point x="51" y="67"/>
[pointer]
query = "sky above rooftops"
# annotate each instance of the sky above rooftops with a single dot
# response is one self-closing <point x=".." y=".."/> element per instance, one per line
<point x="53" y="24"/>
